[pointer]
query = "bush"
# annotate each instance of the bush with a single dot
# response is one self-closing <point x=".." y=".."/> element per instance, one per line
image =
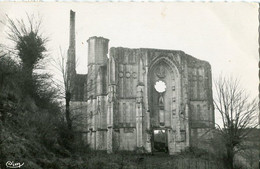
<point x="195" y="152"/>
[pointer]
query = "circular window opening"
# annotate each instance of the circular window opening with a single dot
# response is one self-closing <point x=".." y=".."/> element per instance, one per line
<point x="160" y="86"/>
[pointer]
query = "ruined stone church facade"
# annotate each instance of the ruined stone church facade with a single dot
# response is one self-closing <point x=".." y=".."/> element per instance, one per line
<point x="121" y="105"/>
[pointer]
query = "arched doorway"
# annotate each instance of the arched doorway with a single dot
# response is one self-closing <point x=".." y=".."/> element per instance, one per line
<point x="163" y="103"/>
<point x="160" y="143"/>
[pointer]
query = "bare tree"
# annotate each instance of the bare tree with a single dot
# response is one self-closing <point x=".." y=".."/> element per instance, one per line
<point x="77" y="112"/>
<point x="238" y="113"/>
<point x="64" y="85"/>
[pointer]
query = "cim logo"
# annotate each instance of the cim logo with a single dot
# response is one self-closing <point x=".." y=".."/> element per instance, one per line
<point x="12" y="164"/>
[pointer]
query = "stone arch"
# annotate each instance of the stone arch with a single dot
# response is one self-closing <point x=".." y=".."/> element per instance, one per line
<point x="161" y="58"/>
<point x="172" y="80"/>
<point x="165" y="69"/>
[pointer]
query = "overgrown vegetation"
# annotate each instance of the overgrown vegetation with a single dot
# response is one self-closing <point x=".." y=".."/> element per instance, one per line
<point x="31" y="119"/>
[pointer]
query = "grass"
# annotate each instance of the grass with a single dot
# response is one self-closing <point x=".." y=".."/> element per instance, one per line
<point x="128" y="160"/>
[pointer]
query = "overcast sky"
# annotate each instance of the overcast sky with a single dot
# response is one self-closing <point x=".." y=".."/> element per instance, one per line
<point x="224" y="34"/>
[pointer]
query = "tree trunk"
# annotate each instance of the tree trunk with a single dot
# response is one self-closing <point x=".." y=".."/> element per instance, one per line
<point x="230" y="157"/>
<point x="68" y="119"/>
<point x="28" y="87"/>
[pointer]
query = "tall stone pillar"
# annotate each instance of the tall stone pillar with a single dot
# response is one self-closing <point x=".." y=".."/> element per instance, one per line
<point x="148" y="145"/>
<point x="71" y="60"/>
<point x="71" y="56"/>
<point x="139" y="116"/>
<point x="111" y="100"/>
<point x="187" y="125"/>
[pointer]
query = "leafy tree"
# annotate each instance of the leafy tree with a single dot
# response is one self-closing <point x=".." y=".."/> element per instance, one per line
<point x="238" y="113"/>
<point x="29" y="47"/>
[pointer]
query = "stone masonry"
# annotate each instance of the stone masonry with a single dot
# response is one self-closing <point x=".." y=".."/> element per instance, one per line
<point x="120" y="106"/>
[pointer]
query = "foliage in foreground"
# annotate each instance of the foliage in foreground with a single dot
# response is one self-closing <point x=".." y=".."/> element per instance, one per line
<point x="30" y="116"/>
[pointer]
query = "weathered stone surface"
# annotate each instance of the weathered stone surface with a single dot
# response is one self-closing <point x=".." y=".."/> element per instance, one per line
<point x="122" y="108"/>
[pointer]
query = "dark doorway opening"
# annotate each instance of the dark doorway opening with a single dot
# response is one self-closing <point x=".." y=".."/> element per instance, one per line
<point x="160" y="141"/>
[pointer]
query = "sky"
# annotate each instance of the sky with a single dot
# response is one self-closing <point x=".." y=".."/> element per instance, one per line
<point x="224" y="34"/>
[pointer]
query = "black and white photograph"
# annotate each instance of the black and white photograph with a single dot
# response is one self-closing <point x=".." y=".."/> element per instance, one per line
<point x="129" y="85"/>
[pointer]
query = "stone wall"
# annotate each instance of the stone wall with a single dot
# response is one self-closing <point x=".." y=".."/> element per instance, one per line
<point x="188" y="97"/>
<point x="123" y="107"/>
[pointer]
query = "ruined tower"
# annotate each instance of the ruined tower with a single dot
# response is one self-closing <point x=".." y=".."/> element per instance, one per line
<point x="71" y="55"/>
<point x="75" y="82"/>
<point x="133" y="95"/>
<point x="97" y="90"/>
<point x="71" y="61"/>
